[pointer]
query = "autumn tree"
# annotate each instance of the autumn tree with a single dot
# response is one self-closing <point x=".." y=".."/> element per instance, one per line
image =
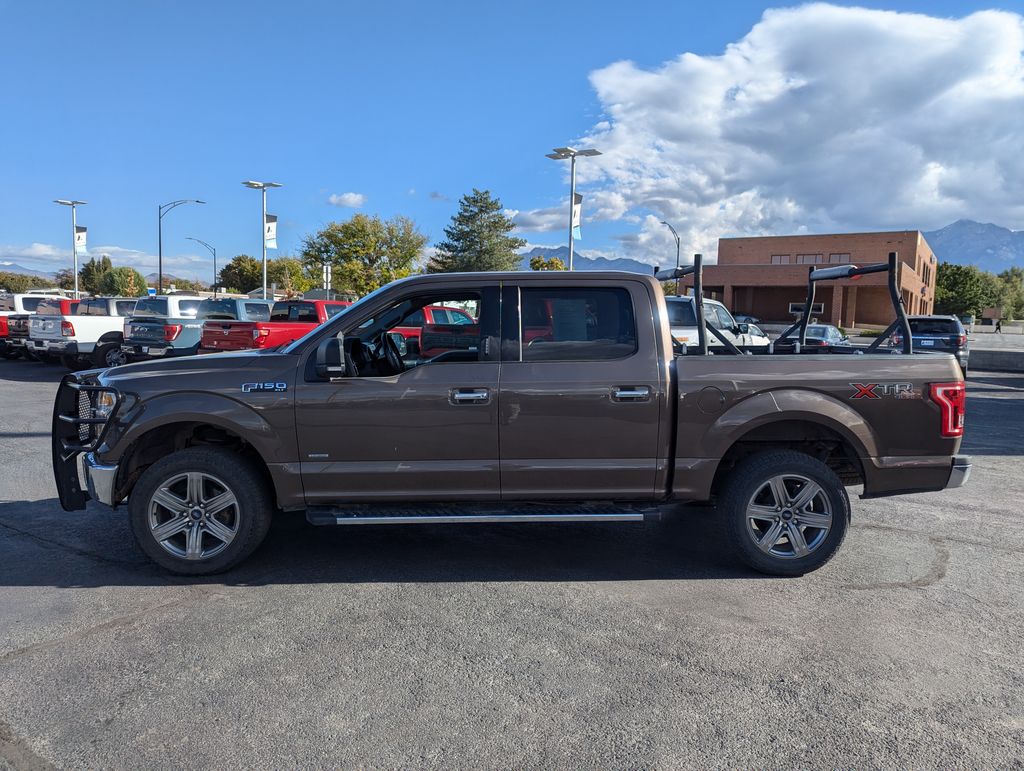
<point x="540" y="262"/>
<point x="478" y="238"/>
<point x="122" y="282"/>
<point x="365" y="252"/>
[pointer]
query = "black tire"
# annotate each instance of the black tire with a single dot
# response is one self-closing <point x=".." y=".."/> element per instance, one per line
<point x="29" y="355"/>
<point x="104" y="356"/>
<point x="250" y="516"/>
<point x="750" y="482"/>
<point x="10" y="354"/>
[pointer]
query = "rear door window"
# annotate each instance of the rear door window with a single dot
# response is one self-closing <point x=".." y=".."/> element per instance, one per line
<point x="577" y="324"/>
<point x="124" y="307"/>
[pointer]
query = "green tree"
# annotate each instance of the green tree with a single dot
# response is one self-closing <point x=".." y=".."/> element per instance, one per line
<point x="20" y="282"/>
<point x="365" y="252"/>
<point x="478" y="238"/>
<point x="1011" y="293"/>
<point x="185" y="285"/>
<point x="243" y="274"/>
<point x="964" y="289"/>
<point x="123" y="282"/>
<point x="540" y="262"/>
<point x="90" y="275"/>
<point x="288" y="275"/>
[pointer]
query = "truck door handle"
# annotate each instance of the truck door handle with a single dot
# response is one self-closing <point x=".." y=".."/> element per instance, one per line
<point x="470" y="396"/>
<point x="635" y="394"/>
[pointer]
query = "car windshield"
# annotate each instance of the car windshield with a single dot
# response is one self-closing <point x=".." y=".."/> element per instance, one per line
<point x="933" y="327"/>
<point x="680" y="313"/>
<point x="49" y="308"/>
<point x="154" y="306"/>
<point x="218" y="309"/>
<point x="817" y="330"/>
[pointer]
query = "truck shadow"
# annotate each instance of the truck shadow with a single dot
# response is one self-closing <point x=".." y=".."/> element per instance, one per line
<point x="21" y="371"/>
<point x="43" y="546"/>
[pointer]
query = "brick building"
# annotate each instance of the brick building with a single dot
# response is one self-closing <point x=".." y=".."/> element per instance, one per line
<point x="761" y="276"/>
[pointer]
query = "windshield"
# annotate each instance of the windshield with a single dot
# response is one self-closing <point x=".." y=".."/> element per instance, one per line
<point x="48" y="308"/>
<point x="218" y="309"/>
<point x="153" y="306"/>
<point x="680" y="313"/>
<point x="816" y="330"/>
<point x="934" y="327"/>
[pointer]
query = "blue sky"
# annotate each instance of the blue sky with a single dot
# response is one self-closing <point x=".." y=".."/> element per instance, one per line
<point x="409" y="105"/>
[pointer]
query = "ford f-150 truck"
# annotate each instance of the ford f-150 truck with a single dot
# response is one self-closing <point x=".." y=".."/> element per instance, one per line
<point x="163" y="326"/>
<point x="288" y="320"/>
<point x="20" y="304"/>
<point x="90" y="335"/>
<point x="604" y="418"/>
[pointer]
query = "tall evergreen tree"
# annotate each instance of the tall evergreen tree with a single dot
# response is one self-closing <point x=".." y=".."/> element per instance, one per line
<point x="478" y="238"/>
<point x="90" y="275"/>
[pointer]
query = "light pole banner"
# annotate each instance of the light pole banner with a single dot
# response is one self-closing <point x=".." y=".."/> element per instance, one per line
<point x="270" y="231"/>
<point x="577" y="215"/>
<point x="80" y="231"/>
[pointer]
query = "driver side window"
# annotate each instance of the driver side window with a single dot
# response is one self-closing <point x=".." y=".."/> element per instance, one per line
<point x="420" y="330"/>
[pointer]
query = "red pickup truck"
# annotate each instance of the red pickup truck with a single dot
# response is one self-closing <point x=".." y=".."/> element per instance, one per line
<point x="289" y="320"/>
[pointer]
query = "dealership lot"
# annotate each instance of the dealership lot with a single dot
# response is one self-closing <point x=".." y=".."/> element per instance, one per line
<point x="516" y="645"/>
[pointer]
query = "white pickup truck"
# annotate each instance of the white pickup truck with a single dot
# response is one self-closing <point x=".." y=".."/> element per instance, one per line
<point x="91" y="336"/>
<point x="17" y="304"/>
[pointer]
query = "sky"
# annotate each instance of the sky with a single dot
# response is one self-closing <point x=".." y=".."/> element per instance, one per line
<point x="727" y="118"/>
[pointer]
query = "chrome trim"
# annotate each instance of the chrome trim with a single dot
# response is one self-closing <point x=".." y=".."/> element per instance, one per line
<point x="960" y="472"/>
<point x="99" y="479"/>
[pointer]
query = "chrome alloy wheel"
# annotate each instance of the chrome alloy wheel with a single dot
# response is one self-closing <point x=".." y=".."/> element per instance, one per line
<point x="789" y="516"/>
<point x="115" y="357"/>
<point x="193" y="515"/>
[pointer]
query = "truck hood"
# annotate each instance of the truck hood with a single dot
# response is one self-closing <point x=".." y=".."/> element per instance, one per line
<point x="184" y="368"/>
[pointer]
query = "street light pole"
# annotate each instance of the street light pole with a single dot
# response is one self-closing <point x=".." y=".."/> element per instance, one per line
<point x="560" y="154"/>
<point x="216" y="278"/>
<point x="74" y="233"/>
<point x="675" y="235"/>
<point x="262" y="187"/>
<point x="162" y="209"/>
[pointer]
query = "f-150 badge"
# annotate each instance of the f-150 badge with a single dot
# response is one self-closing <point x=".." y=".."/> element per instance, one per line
<point x="250" y="387"/>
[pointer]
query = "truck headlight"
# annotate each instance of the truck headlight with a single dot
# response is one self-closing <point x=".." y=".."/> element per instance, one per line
<point x="105" y="402"/>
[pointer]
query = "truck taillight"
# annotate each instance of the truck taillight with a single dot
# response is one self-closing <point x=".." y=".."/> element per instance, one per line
<point x="951" y="398"/>
<point x="67" y="329"/>
<point x="259" y="336"/>
<point x="171" y="332"/>
<point x="961" y="340"/>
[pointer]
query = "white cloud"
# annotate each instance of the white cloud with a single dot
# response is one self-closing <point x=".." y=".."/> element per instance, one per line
<point x="49" y="258"/>
<point x="436" y="195"/>
<point x="348" y="200"/>
<point x="821" y="118"/>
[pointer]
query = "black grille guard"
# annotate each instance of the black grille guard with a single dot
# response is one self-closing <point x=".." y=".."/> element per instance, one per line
<point x="75" y="431"/>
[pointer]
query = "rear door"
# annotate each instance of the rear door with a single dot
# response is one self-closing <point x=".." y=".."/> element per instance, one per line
<point x="581" y="391"/>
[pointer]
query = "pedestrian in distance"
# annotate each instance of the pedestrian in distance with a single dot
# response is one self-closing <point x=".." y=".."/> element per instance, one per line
<point x="999" y="326"/>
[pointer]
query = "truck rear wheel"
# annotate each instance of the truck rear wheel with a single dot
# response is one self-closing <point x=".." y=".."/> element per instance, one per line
<point x="786" y="513"/>
<point x="200" y="511"/>
<point x="109" y="355"/>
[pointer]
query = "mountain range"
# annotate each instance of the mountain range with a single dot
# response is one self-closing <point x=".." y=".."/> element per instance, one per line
<point x="989" y="247"/>
<point x="582" y="262"/>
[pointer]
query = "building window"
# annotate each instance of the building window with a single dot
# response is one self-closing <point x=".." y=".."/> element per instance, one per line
<point x="808" y="259"/>
<point x="780" y="259"/>
<point x="839" y="259"/>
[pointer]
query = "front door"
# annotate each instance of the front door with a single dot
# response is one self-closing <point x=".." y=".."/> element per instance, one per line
<point x="581" y="392"/>
<point x="427" y="432"/>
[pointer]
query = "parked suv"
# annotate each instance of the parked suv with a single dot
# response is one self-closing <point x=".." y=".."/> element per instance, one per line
<point x="91" y="335"/>
<point x="944" y="334"/>
<point x="683" y="322"/>
<point x="162" y="326"/>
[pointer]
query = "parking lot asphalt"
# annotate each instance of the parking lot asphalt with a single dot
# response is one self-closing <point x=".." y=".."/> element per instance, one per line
<point x="516" y="645"/>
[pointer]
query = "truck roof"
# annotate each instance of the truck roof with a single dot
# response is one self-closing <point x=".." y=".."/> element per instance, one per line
<point x="538" y="276"/>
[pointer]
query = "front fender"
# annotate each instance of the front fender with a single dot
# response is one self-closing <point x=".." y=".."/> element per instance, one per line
<point x="240" y="418"/>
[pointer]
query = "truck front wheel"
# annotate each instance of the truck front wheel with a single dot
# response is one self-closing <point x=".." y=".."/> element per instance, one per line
<point x="199" y="511"/>
<point x="786" y="513"/>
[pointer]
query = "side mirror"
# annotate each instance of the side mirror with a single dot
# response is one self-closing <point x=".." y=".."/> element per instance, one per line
<point x="330" y="358"/>
<point x="743" y="329"/>
<point x="400" y="343"/>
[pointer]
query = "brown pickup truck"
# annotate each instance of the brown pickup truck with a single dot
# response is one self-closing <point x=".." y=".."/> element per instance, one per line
<point x="602" y="418"/>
